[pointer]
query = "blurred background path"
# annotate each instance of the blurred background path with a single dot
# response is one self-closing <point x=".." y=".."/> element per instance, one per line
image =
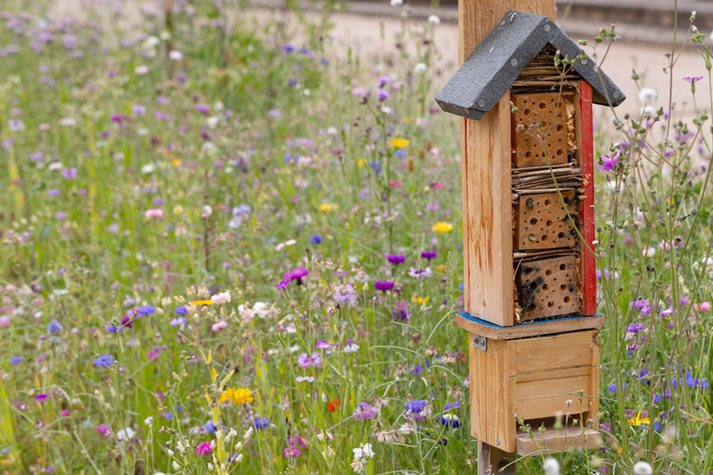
<point x="645" y="27"/>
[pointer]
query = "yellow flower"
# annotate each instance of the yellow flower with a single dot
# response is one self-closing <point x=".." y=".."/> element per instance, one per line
<point x="327" y="207"/>
<point x="237" y="396"/>
<point x="419" y="300"/>
<point x="176" y="162"/>
<point x="638" y="420"/>
<point x="399" y="142"/>
<point x="202" y="302"/>
<point x="440" y="268"/>
<point x="442" y="227"/>
<point x="361" y="162"/>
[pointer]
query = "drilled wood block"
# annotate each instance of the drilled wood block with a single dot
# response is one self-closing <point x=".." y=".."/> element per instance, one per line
<point x="546" y="221"/>
<point x="539" y="129"/>
<point x="548" y="287"/>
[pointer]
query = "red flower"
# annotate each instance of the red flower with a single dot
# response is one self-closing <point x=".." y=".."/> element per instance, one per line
<point x="334" y="404"/>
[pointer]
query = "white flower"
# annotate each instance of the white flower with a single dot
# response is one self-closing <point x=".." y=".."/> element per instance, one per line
<point x="351" y="347"/>
<point x="67" y="122"/>
<point x="149" y="421"/>
<point x="434" y="20"/>
<point x="396" y="3"/>
<point x="261" y="309"/>
<point x="361" y="456"/>
<point x="222" y="297"/>
<point x="420" y="68"/>
<point x="648" y="111"/>
<point x="175" y="55"/>
<point x="212" y="121"/>
<point x="125" y="434"/>
<point x="649" y="251"/>
<point x="206" y="211"/>
<point x="643" y="468"/>
<point x="551" y="466"/>
<point x="151" y="42"/>
<point x="141" y="69"/>
<point x="648" y="95"/>
<point x="148" y="168"/>
<point x="176" y="466"/>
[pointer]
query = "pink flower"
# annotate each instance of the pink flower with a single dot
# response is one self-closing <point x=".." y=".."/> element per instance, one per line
<point x="4" y="321"/>
<point x="704" y="307"/>
<point x="154" y="213"/>
<point x="103" y="430"/>
<point x="203" y="448"/>
<point x="218" y="326"/>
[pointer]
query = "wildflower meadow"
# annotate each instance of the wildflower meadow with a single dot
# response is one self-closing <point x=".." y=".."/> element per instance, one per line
<point x="231" y="244"/>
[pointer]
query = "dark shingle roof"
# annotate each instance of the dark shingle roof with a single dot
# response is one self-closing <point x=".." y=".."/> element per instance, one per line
<point x="497" y="62"/>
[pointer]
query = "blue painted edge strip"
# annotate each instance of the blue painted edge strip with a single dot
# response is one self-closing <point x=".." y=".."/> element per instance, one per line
<point x="479" y="321"/>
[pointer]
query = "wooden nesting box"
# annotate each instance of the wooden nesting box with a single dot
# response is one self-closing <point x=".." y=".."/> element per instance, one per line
<point x="515" y="379"/>
<point x="528" y="172"/>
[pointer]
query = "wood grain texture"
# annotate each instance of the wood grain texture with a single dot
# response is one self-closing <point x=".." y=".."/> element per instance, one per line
<point x="492" y="461"/>
<point x="485" y="171"/>
<point x="492" y="391"/>
<point x="552" y="352"/>
<point x="557" y="440"/>
<point x="548" y="327"/>
<point x="589" y="264"/>
<point x="487" y="217"/>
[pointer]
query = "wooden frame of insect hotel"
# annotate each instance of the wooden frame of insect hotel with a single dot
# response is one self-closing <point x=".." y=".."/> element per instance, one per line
<point x="526" y="92"/>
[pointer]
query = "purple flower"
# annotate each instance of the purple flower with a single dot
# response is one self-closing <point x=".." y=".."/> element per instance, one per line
<point x="295" y="444"/>
<point x="383" y="285"/>
<point x="69" y="173"/>
<point x="382" y="95"/>
<point x="395" y="259"/>
<point x="316" y="239"/>
<point x="451" y="405"/>
<point x="15" y="360"/>
<point x="103" y="430"/>
<point x="42" y="397"/>
<point x="261" y="423"/>
<point x="428" y="255"/>
<point x="202" y="108"/>
<point x="364" y="411"/>
<point x="209" y="427"/>
<point x="416" y="406"/>
<point x="324" y="345"/>
<point x="54" y="327"/>
<point x="308" y="361"/>
<point x="182" y="310"/>
<point x="609" y="162"/>
<point x="400" y="311"/>
<point x="295" y="274"/>
<point x="345" y="295"/>
<point x="692" y="79"/>
<point x="382" y="82"/>
<point x="138" y="109"/>
<point x="203" y="448"/>
<point x="146" y="310"/>
<point x="104" y="361"/>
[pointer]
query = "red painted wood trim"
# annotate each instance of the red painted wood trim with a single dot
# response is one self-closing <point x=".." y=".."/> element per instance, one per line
<point x="589" y="264"/>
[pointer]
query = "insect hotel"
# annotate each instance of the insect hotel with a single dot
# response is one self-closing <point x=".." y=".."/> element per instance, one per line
<point x="526" y="93"/>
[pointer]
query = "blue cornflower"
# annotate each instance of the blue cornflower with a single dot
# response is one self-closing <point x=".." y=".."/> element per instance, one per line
<point x="450" y="420"/>
<point x="416" y="405"/>
<point x="451" y="405"/>
<point x="316" y="239"/>
<point x="54" y="327"/>
<point x="14" y="360"/>
<point x="146" y="310"/>
<point x="182" y="310"/>
<point x="261" y="423"/>
<point x="112" y="328"/>
<point x="209" y="427"/>
<point x="104" y="361"/>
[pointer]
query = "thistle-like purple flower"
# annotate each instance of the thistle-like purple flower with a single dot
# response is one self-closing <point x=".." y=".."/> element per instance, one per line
<point x="384" y="285"/>
<point x="395" y="259"/>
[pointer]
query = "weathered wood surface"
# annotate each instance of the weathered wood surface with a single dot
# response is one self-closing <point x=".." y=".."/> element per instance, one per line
<point x="486" y="179"/>
<point x="533" y="379"/>
<point x="554" y="440"/>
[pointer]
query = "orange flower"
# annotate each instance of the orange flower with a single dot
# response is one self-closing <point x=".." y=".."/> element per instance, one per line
<point x="334" y="404"/>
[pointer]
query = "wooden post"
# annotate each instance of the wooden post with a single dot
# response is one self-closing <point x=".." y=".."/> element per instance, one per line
<point x="485" y="144"/>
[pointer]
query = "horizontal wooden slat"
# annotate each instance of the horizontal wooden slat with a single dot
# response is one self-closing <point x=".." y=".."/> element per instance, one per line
<point x="553" y="440"/>
<point x="554" y="374"/>
<point x="544" y="398"/>
<point x="560" y="351"/>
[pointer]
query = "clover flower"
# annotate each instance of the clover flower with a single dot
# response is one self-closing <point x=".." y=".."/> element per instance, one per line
<point x="295" y="444"/>
<point x="365" y="411"/>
